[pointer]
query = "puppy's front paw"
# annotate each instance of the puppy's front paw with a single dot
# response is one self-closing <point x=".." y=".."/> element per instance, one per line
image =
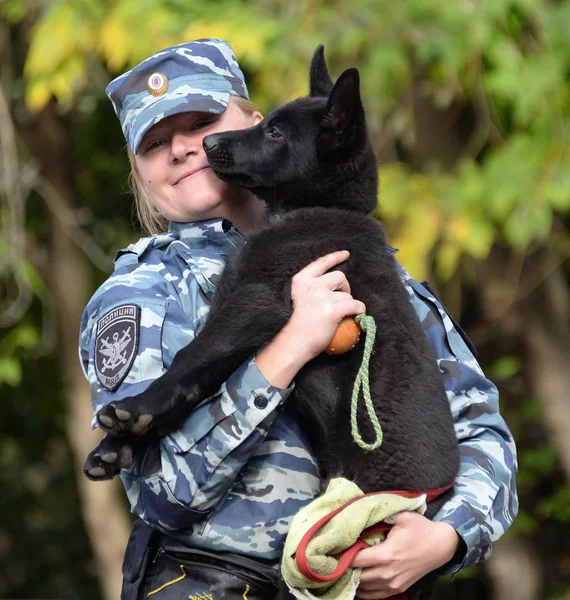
<point x="110" y="456"/>
<point x="125" y="416"/>
<point x="140" y="414"/>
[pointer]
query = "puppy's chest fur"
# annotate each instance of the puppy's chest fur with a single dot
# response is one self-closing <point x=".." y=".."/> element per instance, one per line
<point x="279" y="249"/>
<point x="285" y="243"/>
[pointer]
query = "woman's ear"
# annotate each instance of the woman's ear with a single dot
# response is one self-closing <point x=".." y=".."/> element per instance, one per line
<point x="256" y="118"/>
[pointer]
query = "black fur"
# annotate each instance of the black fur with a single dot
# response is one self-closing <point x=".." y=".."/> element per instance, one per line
<point x="312" y="163"/>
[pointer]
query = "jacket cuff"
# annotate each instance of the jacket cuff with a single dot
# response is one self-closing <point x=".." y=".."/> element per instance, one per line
<point x="253" y="396"/>
<point x="468" y="529"/>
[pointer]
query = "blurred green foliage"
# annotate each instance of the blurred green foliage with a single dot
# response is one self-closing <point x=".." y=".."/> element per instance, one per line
<point x="43" y="548"/>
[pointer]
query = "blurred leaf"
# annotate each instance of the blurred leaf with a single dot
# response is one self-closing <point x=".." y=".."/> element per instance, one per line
<point x="24" y="336"/>
<point x="534" y="464"/>
<point x="505" y="368"/>
<point x="557" y="505"/>
<point x="524" y="524"/>
<point x="13" y="10"/>
<point x="117" y="35"/>
<point x="55" y="63"/>
<point x="531" y="411"/>
<point x="56" y="38"/>
<point x="417" y="237"/>
<point x="447" y="259"/>
<point x="10" y="371"/>
<point x="38" y="93"/>
<point x="30" y="276"/>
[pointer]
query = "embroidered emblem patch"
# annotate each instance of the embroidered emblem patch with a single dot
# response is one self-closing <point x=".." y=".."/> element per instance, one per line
<point x="200" y="595"/>
<point x="116" y="344"/>
<point x="157" y="84"/>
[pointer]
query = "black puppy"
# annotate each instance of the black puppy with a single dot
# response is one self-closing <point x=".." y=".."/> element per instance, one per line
<point x="312" y="163"/>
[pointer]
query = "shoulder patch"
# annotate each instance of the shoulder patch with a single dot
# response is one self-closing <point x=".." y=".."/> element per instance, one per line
<point x="116" y="344"/>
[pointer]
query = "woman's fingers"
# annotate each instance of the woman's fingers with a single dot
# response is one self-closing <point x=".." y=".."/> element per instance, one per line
<point x="321" y="299"/>
<point x="347" y="307"/>
<point x="323" y="264"/>
<point x="335" y="281"/>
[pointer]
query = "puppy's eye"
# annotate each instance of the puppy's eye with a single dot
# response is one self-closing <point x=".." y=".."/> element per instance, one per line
<point x="274" y="133"/>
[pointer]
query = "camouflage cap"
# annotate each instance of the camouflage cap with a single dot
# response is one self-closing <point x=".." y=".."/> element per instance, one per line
<point x="194" y="76"/>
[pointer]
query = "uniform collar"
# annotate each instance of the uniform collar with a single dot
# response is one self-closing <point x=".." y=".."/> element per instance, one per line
<point x="215" y="234"/>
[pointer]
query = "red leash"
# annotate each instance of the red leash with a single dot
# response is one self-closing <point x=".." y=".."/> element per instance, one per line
<point x="347" y="556"/>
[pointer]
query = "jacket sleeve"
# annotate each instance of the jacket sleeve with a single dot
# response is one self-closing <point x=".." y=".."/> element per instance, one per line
<point x="185" y="474"/>
<point x="484" y="502"/>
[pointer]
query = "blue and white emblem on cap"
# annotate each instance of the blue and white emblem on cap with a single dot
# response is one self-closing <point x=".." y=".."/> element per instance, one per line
<point x="157" y="84"/>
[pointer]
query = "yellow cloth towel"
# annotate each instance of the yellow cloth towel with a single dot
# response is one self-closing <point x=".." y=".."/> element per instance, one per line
<point x="340" y="533"/>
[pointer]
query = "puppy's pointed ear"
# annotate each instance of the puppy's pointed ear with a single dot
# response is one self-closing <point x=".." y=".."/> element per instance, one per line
<point x="321" y="83"/>
<point x="345" y="113"/>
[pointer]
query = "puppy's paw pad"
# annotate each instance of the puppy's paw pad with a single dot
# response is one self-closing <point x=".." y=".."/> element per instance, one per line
<point x="122" y="415"/>
<point x="109" y="457"/>
<point x="126" y="457"/>
<point x="96" y="473"/>
<point x="106" y="422"/>
<point x="142" y="424"/>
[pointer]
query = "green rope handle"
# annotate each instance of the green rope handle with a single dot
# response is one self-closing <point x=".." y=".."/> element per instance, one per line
<point x="367" y="324"/>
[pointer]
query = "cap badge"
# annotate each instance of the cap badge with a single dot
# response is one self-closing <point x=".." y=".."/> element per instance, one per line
<point x="157" y="84"/>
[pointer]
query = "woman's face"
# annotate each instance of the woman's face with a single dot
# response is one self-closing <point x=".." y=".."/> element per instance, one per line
<point x="174" y="169"/>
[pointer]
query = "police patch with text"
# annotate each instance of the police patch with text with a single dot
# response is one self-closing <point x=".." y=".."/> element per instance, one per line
<point x="116" y="344"/>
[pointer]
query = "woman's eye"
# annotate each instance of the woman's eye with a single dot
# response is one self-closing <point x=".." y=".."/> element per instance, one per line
<point x="274" y="133"/>
<point x="200" y="124"/>
<point x="154" y="145"/>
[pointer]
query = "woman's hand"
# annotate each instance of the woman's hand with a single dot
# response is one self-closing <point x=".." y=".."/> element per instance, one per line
<point x="415" y="546"/>
<point x="320" y="301"/>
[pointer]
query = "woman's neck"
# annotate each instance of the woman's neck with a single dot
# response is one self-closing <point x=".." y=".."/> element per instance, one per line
<point x="246" y="211"/>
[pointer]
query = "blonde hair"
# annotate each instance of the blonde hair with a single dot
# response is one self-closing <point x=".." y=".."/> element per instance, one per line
<point x="152" y="222"/>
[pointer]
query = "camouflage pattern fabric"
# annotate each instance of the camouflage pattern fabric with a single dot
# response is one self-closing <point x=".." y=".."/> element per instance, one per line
<point x="194" y="76"/>
<point x="234" y="475"/>
<point x="484" y="502"/>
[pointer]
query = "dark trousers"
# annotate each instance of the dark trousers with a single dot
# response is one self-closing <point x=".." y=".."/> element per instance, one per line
<point x="160" y="568"/>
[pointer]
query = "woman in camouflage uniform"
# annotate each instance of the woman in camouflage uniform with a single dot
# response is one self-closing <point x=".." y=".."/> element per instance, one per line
<point x="215" y="498"/>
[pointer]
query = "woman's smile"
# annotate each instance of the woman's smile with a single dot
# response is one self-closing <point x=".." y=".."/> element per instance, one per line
<point x="191" y="175"/>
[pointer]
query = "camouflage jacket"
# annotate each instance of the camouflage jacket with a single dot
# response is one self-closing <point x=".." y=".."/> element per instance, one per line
<point x="232" y="477"/>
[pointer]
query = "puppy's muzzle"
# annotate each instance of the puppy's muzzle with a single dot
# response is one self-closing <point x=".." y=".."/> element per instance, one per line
<point x="217" y="151"/>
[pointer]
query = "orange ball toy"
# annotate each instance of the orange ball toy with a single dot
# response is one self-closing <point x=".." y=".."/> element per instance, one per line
<point x="345" y="337"/>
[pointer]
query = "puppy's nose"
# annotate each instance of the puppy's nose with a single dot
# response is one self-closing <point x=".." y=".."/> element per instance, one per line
<point x="209" y="143"/>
